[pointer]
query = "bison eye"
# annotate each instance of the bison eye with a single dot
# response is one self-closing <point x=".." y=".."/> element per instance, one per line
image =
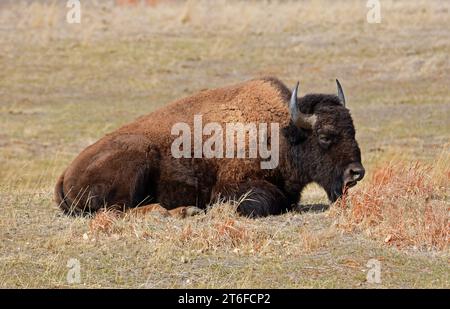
<point x="325" y="140"/>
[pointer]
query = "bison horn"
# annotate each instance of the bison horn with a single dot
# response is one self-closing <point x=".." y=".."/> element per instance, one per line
<point x="298" y="118"/>
<point x="340" y="93"/>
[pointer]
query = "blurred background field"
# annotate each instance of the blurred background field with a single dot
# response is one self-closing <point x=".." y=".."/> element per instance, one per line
<point x="63" y="86"/>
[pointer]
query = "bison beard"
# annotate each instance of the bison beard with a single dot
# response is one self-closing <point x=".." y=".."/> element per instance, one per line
<point x="335" y="187"/>
<point x="133" y="166"/>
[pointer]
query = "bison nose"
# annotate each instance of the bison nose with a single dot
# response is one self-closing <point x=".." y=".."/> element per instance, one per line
<point x="353" y="173"/>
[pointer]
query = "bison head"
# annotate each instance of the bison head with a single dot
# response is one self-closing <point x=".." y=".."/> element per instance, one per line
<point x="326" y="146"/>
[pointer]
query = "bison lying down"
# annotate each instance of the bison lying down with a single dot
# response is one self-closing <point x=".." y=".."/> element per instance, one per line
<point x="134" y="166"/>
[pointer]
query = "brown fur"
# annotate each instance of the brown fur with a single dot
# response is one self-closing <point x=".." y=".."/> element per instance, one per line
<point x="133" y="165"/>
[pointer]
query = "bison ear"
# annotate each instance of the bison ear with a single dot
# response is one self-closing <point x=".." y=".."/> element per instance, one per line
<point x="340" y="93"/>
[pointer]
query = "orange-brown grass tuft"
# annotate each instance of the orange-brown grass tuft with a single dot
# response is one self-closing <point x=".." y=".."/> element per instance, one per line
<point x="232" y="231"/>
<point x="403" y="204"/>
<point x="103" y="221"/>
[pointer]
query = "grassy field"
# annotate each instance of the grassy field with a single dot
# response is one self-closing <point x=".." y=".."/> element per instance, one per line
<point x="63" y="86"/>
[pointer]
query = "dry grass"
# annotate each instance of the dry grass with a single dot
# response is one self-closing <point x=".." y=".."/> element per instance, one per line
<point x="64" y="86"/>
<point x="403" y="204"/>
<point x="220" y="229"/>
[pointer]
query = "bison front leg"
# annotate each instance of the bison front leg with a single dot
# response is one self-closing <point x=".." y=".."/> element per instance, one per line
<point x="259" y="198"/>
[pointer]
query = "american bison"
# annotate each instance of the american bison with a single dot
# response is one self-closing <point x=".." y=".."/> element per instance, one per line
<point x="134" y="166"/>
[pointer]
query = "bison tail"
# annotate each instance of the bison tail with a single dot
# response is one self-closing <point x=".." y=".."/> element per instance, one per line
<point x="63" y="201"/>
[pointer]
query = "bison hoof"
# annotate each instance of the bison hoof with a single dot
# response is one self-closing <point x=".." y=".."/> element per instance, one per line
<point x="193" y="211"/>
<point x="185" y="211"/>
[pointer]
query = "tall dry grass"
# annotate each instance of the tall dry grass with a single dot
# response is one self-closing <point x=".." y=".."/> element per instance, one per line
<point x="219" y="229"/>
<point x="405" y="204"/>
